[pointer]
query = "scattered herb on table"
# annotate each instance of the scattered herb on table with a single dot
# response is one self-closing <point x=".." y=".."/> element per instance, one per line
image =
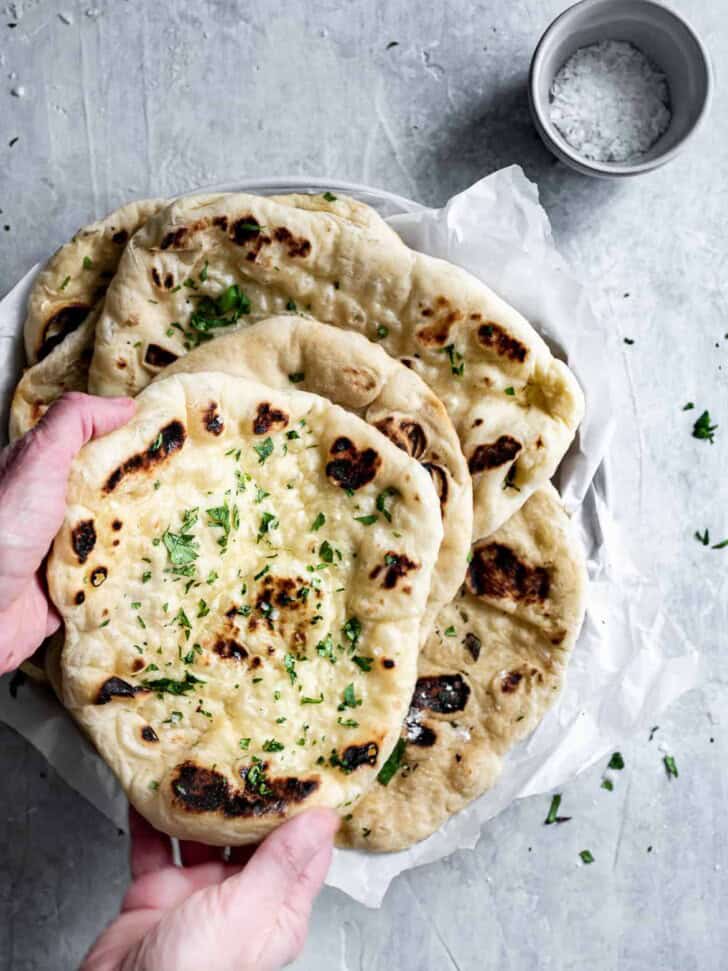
<point x="703" y="429"/>
<point x="586" y="856"/>
<point x="616" y="761"/>
<point x="670" y="766"/>
<point x="553" y="814"/>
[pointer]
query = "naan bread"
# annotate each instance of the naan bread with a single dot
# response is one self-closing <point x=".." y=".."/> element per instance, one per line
<point x="514" y="406"/>
<point x="492" y="667"/>
<point x="217" y="587"/>
<point x="65" y="368"/>
<point x="287" y="351"/>
<point x="75" y="279"/>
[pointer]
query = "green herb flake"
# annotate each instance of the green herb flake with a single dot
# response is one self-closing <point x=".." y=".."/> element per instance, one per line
<point x="688" y="407"/>
<point x="510" y="390"/>
<point x="703" y="429"/>
<point x="365" y="663"/>
<point x="264" y="450"/>
<point x="268" y="522"/>
<point x="318" y="522"/>
<point x="388" y="493"/>
<point x="390" y="767"/>
<point x="289" y="663"/>
<point x="244" y="744"/>
<point x="203" y="273"/>
<point x="312" y="701"/>
<point x="173" y="687"/>
<point x="271" y="745"/>
<point x="352" y="632"/>
<point x="616" y="762"/>
<point x="367" y="520"/>
<point x="347" y="722"/>
<point x="586" y="856"/>
<point x="450" y="631"/>
<point x="154" y="785"/>
<point x="349" y="698"/>
<point x="720" y="546"/>
<point x="326" y="552"/>
<point x="607" y="784"/>
<point x="146" y="576"/>
<point x="88" y="263"/>
<point x="456" y="359"/>
<point x="266" y="569"/>
<point x="329" y="196"/>
<point x="553" y="815"/>
<point x="703" y="538"/>
<point x="65" y="283"/>
<point x="382" y="331"/>
<point x="670" y="766"/>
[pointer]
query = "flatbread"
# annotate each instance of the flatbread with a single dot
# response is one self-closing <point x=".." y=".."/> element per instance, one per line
<point x="493" y="666"/>
<point x="514" y="406"/>
<point x="191" y="628"/>
<point x="75" y="279"/>
<point x="293" y="351"/>
<point x="65" y="368"/>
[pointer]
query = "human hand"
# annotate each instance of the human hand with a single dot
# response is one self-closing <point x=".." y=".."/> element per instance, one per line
<point x="210" y="914"/>
<point x="33" y="479"/>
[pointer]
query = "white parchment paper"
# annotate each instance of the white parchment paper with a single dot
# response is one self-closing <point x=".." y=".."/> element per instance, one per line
<point x="631" y="661"/>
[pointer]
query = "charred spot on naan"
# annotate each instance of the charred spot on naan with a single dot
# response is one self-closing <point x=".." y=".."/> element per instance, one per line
<point x="170" y="439"/>
<point x="441" y="694"/>
<point x="116" y="688"/>
<point x="296" y="245"/>
<point x="472" y="644"/>
<point x="495" y="338"/>
<point x="244" y="229"/>
<point x="436" y="332"/>
<point x="175" y="238"/>
<point x="121" y="237"/>
<point x="79" y="598"/>
<point x="158" y="356"/>
<point x="148" y="734"/>
<point x="268" y="419"/>
<point x="355" y="755"/>
<point x="227" y="647"/>
<point x="60" y="325"/>
<point x="396" y="566"/>
<point x="406" y="434"/>
<point x="212" y="420"/>
<point x="83" y="539"/>
<point x="439" y="481"/>
<point x="350" y="468"/>
<point x="496" y="571"/>
<point x="490" y="456"/>
<point x="202" y="790"/>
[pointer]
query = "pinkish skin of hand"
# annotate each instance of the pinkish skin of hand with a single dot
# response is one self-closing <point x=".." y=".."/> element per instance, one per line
<point x="226" y="916"/>
<point x="33" y="479"/>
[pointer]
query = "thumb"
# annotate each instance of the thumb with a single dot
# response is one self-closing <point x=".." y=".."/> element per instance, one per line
<point x="76" y="418"/>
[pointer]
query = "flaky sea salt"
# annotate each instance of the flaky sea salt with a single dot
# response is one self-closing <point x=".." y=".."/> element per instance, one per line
<point x="610" y="102"/>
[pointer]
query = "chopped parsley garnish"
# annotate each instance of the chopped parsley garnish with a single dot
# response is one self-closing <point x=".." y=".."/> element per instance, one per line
<point x="703" y="429"/>
<point x="312" y="701"/>
<point x="105" y="623"/>
<point x="296" y="377"/>
<point x="291" y="305"/>
<point x="365" y="663"/>
<point x="172" y="687"/>
<point x="670" y="766"/>
<point x="255" y="778"/>
<point x="325" y="648"/>
<point x="616" y="761"/>
<point x="457" y="361"/>
<point x="382" y="500"/>
<point x="347" y="722"/>
<point x="318" y="522"/>
<point x="88" y="263"/>
<point x="157" y="443"/>
<point x="220" y="516"/>
<point x="260" y="495"/>
<point x="289" y="663"/>
<point x="510" y="390"/>
<point x="135" y="605"/>
<point x="326" y="552"/>
<point x="203" y="273"/>
<point x="349" y="698"/>
<point x="292" y="435"/>
<point x="202" y="609"/>
<point x="366" y="520"/>
<point x="154" y="784"/>
<point x="382" y="331"/>
<point x="174" y="717"/>
<point x="183" y="620"/>
<point x="244" y="744"/>
<point x="586" y="856"/>
<point x="271" y="745"/>
<point x="450" y="631"/>
<point x="553" y="816"/>
<point x="389" y="769"/>
<point x="140" y="621"/>
<point x="267" y="522"/>
<point x="65" y="283"/>
<point x="212" y="576"/>
<point x="146" y="576"/>
<point x="266" y="569"/>
<point x="211" y="314"/>
<point x="182" y="547"/>
<point x="352" y="632"/>
<point x="264" y="450"/>
<point x="391" y="559"/>
<point x="329" y="196"/>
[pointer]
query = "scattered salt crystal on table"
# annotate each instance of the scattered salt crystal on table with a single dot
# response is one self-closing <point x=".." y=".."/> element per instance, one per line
<point x="610" y="102"/>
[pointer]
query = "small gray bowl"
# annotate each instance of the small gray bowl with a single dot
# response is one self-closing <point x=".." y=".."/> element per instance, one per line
<point x="663" y="36"/>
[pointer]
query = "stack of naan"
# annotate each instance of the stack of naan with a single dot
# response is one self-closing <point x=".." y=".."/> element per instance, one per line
<point x="324" y="563"/>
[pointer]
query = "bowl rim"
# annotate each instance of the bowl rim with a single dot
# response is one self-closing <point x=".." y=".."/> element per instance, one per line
<point x="556" y="142"/>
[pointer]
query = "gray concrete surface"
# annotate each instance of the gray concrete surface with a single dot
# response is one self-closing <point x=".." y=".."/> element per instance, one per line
<point x="127" y="97"/>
